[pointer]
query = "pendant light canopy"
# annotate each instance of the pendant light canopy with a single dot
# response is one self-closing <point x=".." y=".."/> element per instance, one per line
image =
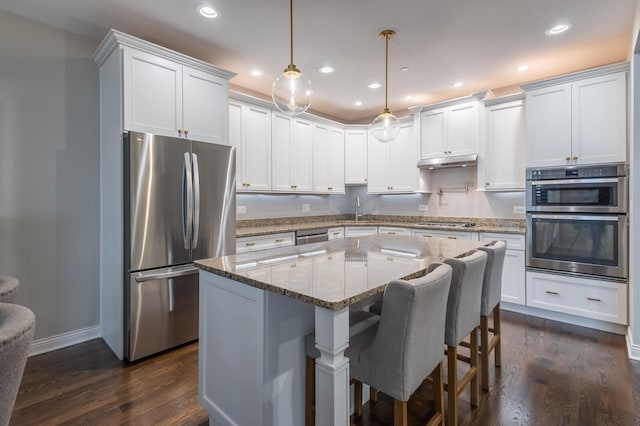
<point x="291" y="91"/>
<point x="386" y="126"/>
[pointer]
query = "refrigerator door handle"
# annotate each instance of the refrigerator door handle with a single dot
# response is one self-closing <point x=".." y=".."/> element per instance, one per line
<point x="143" y="277"/>
<point x="196" y="201"/>
<point x="187" y="201"/>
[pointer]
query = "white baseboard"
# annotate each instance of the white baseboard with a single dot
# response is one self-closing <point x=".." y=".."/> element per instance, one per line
<point x="63" y="340"/>
<point x="634" y="350"/>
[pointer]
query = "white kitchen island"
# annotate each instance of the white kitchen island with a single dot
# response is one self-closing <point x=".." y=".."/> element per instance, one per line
<point x="256" y="309"/>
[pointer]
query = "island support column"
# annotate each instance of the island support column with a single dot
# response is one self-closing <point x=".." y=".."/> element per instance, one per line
<point x="332" y="368"/>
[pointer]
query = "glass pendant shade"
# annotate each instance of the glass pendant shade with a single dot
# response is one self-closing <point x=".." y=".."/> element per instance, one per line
<point x="386" y="127"/>
<point x="292" y="92"/>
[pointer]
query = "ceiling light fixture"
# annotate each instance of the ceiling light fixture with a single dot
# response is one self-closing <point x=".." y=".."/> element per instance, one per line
<point x="256" y="73"/>
<point x="404" y="69"/>
<point x="326" y="70"/>
<point x="374" y="86"/>
<point x="291" y="91"/>
<point x="386" y="126"/>
<point x="558" y="29"/>
<point x="208" y="12"/>
<point x="358" y="103"/>
<point x="458" y="84"/>
<point x="523" y="68"/>
<point x="408" y="97"/>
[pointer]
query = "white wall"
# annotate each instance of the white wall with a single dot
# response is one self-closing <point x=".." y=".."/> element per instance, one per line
<point x="49" y="173"/>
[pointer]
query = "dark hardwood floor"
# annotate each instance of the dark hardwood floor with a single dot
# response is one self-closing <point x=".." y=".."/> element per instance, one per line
<point x="552" y="374"/>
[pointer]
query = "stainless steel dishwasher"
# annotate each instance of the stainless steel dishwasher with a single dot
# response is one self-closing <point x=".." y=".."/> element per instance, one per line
<point x="309" y="236"/>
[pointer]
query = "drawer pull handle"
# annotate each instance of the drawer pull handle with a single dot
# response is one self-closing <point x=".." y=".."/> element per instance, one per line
<point x="250" y="244"/>
<point x="391" y="233"/>
<point x="452" y="238"/>
<point x="336" y="233"/>
<point x="427" y="236"/>
<point x="551" y="292"/>
<point x="594" y="299"/>
<point x="279" y="240"/>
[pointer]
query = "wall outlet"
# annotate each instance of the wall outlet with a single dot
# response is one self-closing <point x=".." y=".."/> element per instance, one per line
<point x="241" y="209"/>
<point x="423" y="207"/>
<point x="518" y="209"/>
<point x="306" y="207"/>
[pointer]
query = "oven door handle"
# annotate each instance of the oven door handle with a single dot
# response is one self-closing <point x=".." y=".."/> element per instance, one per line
<point x="598" y="218"/>
<point x="572" y="181"/>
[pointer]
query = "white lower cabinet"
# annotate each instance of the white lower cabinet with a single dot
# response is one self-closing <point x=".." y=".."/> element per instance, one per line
<point x="336" y="233"/>
<point x="513" y="279"/>
<point x="585" y="297"/>
<point x="360" y="231"/>
<point x="392" y="230"/>
<point x="452" y="235"/>
<point x="263" y="242"/>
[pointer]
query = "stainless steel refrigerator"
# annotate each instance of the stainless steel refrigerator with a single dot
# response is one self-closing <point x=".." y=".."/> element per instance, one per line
<point x="179" y="200"/>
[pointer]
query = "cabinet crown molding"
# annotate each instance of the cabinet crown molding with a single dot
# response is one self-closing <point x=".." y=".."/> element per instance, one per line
<point x="479" y="96"/>
<point x="568" y="78"/>
<point x="115" y="38"/>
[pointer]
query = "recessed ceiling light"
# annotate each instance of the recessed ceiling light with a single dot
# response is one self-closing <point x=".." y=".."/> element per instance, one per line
<point x="326" y="70"/>
<point x="208" y="12"/>
<point x="256" y="73"/>
<point x="558" y="29"/>
<point x="404" y="69"/>
<point x="458" y="84"/>
<point x="408" y="97"/>
<point x="374" y="86"/>
<point x="358" y="103"/>
<point x="523" y="68"/>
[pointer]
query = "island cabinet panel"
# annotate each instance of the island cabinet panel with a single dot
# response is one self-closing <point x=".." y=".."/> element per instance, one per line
<point x="265" y="332"/>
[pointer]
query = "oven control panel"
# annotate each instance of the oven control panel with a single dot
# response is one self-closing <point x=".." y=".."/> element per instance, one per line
<point x="573" y="172"/>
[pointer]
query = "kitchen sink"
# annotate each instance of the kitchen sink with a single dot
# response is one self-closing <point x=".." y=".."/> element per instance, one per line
<point x="448" y="224"/>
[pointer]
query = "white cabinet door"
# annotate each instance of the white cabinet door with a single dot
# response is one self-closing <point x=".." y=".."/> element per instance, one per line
<point x="462" y="136"/>
<point x="204" y="106"/>
<point x="505" y="147"/>
<point x="513" y="278"/>
<point x="250" y="133"/>
<point x="599" y="131"/>
<point x="433" y="133"/>
<point x="328" y="159"/>
<point x="404" y="173"/>
<point x="548" y="126"/>
<point x="393" y="230"/>
<point x="302" y="155"/>
<point x="152" y="94"/>
<point x="355" y="156"/>
<point x="336" y="233"/>
<point x="378" y="166"/>
<point x="281" y="152"/>
<point x="452" y="235"/>
<point x="360" y="231"/>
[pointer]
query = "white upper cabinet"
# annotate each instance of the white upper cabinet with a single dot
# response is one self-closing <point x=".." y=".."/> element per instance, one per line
<point x="452" y="129"/>
<point x="393" y="165"/>
<point x="292" y="150"/>
<point x="164" y="97"/>
<point x="578" y="120"/>
<point x="328" y="159"/>
<point x="355" y="156"/>
<point x="250" y="133"/>
<point x="505" y="146"/>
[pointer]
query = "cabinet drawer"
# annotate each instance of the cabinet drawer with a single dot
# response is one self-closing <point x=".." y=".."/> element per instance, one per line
<point x="454" y="235"/>
<point x="601" y="300"/>
<point x="392" y="230"/>
<point x="360" y="231"/>
<point x="336" y="233"/>
<point x="263" y="242"/>
<point x="514" y="241"/>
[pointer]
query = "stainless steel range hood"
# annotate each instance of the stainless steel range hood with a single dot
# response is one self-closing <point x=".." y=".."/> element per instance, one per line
<point x="470" y="160"/>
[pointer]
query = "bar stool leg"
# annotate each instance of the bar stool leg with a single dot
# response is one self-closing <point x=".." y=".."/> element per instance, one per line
<point x="400" y="413"/>
<point x="475" y="388"/>
<point x="452" y="385"/>
<point x="484" y="351"/>
<point x="438" y="396"/>
<point x="310" y="392"/>
<point x="497" y="334"/>
<point x="373" y="394"/>
<point x="357" y="398"/>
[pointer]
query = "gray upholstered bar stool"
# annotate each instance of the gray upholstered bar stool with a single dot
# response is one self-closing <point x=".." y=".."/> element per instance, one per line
<point x="17" y="325"/>
<point x="405" y="348"/>
<point x="463" y="313"/>
<point x="8" y="289"/>
<point x="490" y="303"/>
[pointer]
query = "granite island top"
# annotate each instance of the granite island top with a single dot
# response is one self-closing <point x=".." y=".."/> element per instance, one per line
<point x="250" y="228"/>
<point x="338" y="273"/>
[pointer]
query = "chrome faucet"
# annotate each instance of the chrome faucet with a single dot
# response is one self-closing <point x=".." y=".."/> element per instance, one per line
<point x="357" y="205"/>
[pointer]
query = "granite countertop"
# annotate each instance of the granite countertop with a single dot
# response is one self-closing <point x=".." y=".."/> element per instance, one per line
<point x="338" y="273"/>
<point x="248" y="228"/>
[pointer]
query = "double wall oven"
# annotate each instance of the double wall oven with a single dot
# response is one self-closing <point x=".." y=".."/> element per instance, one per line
<point x="577" y="220"/>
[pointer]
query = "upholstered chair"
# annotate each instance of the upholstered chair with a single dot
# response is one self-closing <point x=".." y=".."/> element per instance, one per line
<point x="490" y="303"/>
<point x="398" y="354"/>
<point x="463" y="316"/>
<point x="17" y="325"/>
<point x="8" y="289"/>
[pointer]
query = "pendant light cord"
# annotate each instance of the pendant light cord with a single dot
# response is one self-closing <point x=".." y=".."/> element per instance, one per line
<point x="386" y="71"/>
<point x="291" y="27"/>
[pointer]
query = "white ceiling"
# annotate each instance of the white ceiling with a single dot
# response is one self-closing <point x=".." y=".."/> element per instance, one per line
<point x="478" y="42"/>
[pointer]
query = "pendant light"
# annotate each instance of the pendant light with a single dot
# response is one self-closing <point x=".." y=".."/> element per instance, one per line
<point x="386" y="126"/>
<point x="291" y="91"/>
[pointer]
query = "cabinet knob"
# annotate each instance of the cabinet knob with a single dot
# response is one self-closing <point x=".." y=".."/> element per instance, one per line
<point x="568" y="158"/>
<point x="248" y="184"/>
<point x="186" y="132"/>
<point x="330" y="188"/>
<point x="180" y="131"/>
<point x="365" y="179"/>
<point x="575" y="158"/>
<point x="293" y="186"/>
<point x="488" y="184"/>
<point x="445" y="152"/>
